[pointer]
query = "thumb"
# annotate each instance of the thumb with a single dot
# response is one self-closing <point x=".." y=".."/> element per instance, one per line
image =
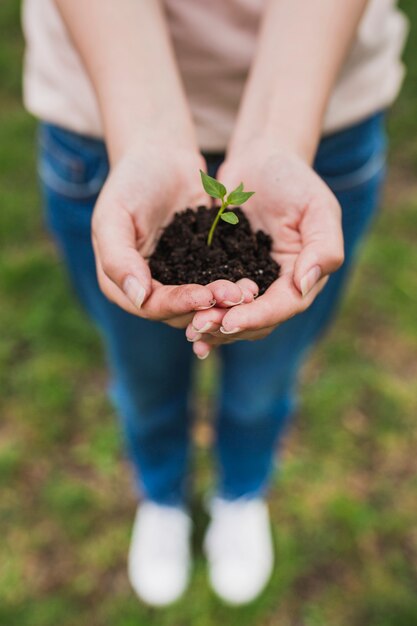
<point x="123" y="274"/>
<point x="323" y="250"/>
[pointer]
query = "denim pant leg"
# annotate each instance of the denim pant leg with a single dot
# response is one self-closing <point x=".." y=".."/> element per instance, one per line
<point x="259" y="378"/>
<point x="150" y="362"/>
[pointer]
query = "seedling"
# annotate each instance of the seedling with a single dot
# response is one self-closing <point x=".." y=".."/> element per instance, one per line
<point x="237" y="197"/>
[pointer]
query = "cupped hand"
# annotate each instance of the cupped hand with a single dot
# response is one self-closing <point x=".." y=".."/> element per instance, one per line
<point x="143" y="191"/>
<point x="303" y="217"/>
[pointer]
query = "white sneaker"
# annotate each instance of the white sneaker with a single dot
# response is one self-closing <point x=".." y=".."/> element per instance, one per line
<point x="239" y="549"/>
<point x="159" y="555"/>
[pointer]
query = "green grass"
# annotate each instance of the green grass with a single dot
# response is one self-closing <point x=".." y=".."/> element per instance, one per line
<point x="344" y="505"/>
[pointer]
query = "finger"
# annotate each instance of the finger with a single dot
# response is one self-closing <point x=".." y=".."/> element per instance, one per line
<point x="208" y="341"/>
<point x="179" y="321"/>
<point x="208" y="321"/>
<point x="253" y="335"/>
<point x="169" y="301"/>
<point x="192" y="335"/>
<point x="219" y="339"/>
<point x="207" y="333"/>
<point x="112" y="291"/>
<point x="201" y="349"/>
<point x="322" y="251"/>
<point x="280" y="302"/>
<point x="172" y="304"/>
<point x="249" y="289"/>
<point x="226" y="293"/>
<point x="211" y="320"/>
<point x="114" y="240"/>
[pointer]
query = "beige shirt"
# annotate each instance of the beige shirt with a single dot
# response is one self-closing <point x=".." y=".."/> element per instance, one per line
<point x="214" y="42"/>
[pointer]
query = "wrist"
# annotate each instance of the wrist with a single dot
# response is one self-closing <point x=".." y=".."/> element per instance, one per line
<point x="290" y="134"/>
<point x="167" y="135"/>
<point x="269" y="140"/>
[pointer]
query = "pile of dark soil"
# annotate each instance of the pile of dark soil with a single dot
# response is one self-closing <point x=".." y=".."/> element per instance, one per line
<point x="182" y="255"/>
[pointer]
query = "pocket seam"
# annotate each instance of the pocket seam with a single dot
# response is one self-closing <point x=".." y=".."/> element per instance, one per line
<point x="47" y="145"/>
<point x="77" y="191"/>
<point x="374" y="165"/>
<point x="50" y="150"/>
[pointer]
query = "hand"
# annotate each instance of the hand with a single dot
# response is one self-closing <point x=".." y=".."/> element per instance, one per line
<point x="144" y="190"/>
<point x="303" y="217"/>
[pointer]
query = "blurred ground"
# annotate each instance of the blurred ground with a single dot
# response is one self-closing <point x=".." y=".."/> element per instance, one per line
<point x="345" y="504"/>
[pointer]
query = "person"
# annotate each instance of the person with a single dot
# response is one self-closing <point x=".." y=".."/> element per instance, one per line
<point x="134" y="98"/>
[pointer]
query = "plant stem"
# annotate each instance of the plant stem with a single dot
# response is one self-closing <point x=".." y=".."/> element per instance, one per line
<point x="216" y="221"/>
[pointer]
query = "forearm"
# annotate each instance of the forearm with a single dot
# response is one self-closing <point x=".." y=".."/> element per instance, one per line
<point x="302" y="45"/>
<point x="126" y="50"/>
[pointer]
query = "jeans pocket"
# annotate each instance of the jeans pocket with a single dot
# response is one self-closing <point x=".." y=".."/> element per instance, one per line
<point x="71" y="165"/>
<point x="353" y="156"/>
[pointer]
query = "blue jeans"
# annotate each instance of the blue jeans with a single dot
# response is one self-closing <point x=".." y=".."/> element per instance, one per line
<point x="152" y="364"/>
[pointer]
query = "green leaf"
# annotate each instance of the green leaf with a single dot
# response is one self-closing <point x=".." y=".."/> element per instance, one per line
<point x="239" y="197"/>
<point x="230" y="217"/>
<point x="212" y="186"/>
<point x="238" y="188"/>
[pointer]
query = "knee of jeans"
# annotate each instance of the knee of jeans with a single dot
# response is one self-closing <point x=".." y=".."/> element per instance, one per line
<point x="144" y="407"/>
<point x="258" y="404"/>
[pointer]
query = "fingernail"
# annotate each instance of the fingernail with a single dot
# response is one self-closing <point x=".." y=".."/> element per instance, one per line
<point x="310" y="280"/>
<point x="196" y="338"/>
<point x="230" y="303"/>
<point x="134" y="291"/>
<point x="205" y="328"/>
<point x="229" y="332"/>
<point x="203" y="356"/>
<point x="204" y="308"/>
